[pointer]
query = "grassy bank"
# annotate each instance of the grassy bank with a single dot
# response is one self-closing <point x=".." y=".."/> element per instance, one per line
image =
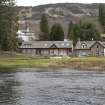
<point x="24" y="61"/>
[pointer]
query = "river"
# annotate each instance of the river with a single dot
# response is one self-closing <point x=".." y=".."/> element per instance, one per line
<point x="52" y="87"/>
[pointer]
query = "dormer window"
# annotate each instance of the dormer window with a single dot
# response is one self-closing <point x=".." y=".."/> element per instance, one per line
<point x="83" y="45"/>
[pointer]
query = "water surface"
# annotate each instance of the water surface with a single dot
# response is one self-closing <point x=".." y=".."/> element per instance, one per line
<point x="52" y="87"/>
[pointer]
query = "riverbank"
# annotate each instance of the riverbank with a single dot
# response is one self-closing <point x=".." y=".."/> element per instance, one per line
<point x="25" y="61"/>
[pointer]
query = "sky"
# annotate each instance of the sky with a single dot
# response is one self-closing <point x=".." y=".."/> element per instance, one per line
<point x="41" y="2"/>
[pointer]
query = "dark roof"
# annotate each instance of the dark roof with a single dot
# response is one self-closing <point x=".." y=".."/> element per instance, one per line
<point x="47" y="44"/>
<point x="103" y="43"/>
<point x="88" y="44"/>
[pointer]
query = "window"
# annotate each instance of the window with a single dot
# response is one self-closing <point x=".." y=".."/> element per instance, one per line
<point x="28" y="45"/>
<point x="83" y="45"/>
<point x="97" y="53"/>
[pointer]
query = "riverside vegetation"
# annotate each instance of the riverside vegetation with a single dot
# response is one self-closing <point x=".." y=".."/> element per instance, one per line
<point x="26" y="61"/>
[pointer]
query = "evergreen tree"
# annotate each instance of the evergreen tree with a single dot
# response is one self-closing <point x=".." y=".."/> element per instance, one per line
<point x="75" y="33"/>
<point x="85" y="31"/>
<point x="44" y="28"/>
<point x="8" y="25"/>
<point x="89" y="32"/>
<point x="102" y="15"/>
<point x="70" y="29"/>
<point x="57" y="33"/>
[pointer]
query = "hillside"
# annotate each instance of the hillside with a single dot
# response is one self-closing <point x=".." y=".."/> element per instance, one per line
<point x="61" y="12"/>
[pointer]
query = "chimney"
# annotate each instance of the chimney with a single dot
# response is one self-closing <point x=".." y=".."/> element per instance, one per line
<point x="65" y="40"/>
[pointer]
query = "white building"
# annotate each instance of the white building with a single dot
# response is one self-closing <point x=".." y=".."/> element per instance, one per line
<point x="26" y="35"/>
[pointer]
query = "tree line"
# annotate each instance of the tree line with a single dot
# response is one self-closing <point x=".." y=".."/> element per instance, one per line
<point x="85" y="31"/>
<point x="56" y="32"/>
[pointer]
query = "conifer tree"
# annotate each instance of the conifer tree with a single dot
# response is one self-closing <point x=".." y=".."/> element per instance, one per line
<point x="44" y="28"/>
<point x="8" y="25"/>
<point x="70" y="29"/>
<point x="102" y="15"/>
<point x="57" y="33"/>
<point x="84" y="31"/>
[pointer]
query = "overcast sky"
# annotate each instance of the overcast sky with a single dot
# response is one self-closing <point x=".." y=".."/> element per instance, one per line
<point x="40" y="2"/>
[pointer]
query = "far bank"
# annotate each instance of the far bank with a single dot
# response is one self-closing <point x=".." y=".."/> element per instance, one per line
<point x="26" y="61"/>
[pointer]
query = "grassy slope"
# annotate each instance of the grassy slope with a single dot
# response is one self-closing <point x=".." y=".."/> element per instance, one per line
<point x="21" y="61"/>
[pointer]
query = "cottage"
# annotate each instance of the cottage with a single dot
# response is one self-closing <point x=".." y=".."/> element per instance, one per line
<point x="89" y="48"/>
<point x="47" y="48"/>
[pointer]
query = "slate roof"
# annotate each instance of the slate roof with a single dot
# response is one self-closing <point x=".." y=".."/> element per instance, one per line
<point x="103" y="43"/>
<point x="47" y="44"/>
<point x="88" y="44"/>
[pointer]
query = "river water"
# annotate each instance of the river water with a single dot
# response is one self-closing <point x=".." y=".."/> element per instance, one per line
<point x="52" y="87"/>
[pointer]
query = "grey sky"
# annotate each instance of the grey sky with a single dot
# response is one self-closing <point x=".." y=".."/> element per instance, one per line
<point x="40" y="2"/>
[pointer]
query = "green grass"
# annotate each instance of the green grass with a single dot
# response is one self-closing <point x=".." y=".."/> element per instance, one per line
<point x="25" y="61"/>
<point x="8" y="62"/>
